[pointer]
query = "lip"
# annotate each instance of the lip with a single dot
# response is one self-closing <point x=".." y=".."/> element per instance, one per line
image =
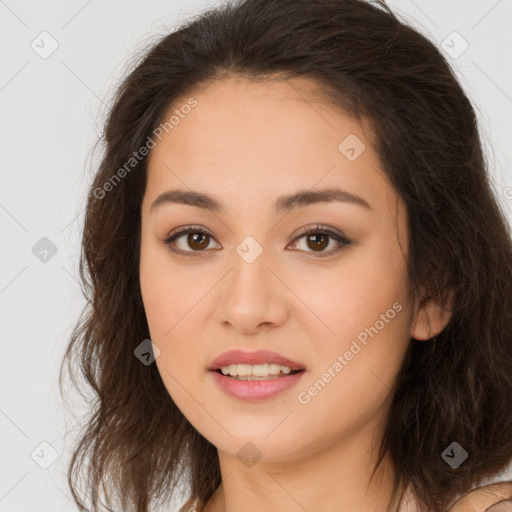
<point x="256" y="389"/>
<point x="255" y="357"/>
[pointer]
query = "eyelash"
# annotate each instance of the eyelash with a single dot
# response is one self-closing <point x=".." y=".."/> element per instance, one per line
<point x="344" y="241"/>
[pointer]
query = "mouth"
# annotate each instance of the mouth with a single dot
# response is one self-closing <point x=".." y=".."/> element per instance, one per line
<point x="256" y="387"/>
<point x="256" y="375"/>
<point x="257" y="372"/>
<point x="260" y="363"/>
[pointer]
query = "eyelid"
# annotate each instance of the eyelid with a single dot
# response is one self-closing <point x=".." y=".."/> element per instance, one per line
<point x="324" y="229"/>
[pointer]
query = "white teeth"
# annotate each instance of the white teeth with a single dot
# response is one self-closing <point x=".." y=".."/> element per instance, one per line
<point x="275" y="369"/>
<point x="254" y="370"/>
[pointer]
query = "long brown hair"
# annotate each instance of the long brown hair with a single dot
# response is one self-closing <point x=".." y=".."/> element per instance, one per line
<point x="455" y="387"/>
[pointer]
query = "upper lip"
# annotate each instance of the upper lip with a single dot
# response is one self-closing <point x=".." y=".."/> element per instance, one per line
<point x="256" y="357"/>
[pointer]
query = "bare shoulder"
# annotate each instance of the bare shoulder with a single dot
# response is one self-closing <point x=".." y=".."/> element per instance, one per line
<point x="482" y="498"/>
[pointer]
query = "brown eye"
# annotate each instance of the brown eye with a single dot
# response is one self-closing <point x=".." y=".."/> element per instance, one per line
<point x="197" y="239"/>
<point x="317" y="239"/>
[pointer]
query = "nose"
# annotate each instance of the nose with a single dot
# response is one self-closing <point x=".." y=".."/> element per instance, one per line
<point x="253" y="296"/>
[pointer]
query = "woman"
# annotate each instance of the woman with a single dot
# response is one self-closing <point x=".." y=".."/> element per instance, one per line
<point x="298" y="273"/>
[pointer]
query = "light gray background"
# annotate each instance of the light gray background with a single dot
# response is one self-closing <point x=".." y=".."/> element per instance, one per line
<point x="51" y="110"/>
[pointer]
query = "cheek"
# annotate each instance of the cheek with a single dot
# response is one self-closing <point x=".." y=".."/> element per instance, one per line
<point x="365" y="305"/>
<point x="167" y="292"/>
<point x="157" y="296"/>
<point x="172" y="299"/>
<point x="352" y="296"/>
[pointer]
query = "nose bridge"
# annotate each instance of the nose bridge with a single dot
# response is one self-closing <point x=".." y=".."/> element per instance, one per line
<point x="252" y="294"/>
<point x="250" y="274"/>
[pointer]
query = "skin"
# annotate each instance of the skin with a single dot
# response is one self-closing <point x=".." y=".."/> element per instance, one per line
<point x="247" y="143"/>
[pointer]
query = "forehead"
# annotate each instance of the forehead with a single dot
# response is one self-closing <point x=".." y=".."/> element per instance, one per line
<point x="250" y="139"/>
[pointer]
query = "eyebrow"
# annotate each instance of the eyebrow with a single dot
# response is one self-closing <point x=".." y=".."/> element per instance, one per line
<point x="286" y="203"/>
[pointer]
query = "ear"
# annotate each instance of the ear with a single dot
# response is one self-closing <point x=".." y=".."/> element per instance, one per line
<point x="431" y="316"/>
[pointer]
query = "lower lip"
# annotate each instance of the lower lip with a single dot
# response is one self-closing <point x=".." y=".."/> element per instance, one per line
<point x="252" y="390"/>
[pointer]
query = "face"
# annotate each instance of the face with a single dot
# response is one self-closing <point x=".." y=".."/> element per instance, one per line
<point x="245" y="276"/>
